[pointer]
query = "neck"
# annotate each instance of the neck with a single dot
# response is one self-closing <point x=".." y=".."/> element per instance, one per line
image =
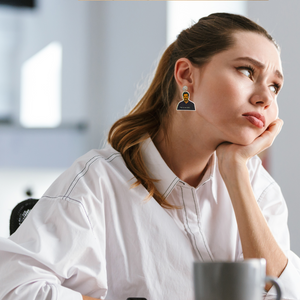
<point x="186" y="153"/>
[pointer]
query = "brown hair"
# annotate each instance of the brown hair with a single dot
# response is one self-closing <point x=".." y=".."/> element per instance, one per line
<point x="209" y="36"/>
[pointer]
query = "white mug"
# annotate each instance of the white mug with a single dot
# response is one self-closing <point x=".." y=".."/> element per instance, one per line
<point x="244" y="280"/>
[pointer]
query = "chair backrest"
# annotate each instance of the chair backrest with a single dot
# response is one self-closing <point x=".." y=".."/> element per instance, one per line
<point x="20" y="212"/>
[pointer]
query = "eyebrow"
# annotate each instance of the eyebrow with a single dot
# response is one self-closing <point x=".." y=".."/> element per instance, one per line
<point x="259" y="65"/>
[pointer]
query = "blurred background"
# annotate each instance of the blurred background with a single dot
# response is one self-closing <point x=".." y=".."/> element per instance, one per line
<point x="69" y="69"/>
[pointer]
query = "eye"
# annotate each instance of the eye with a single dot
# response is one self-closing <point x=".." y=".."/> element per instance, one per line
<point x="247" y="71"/>
<point x="275" y="88"/>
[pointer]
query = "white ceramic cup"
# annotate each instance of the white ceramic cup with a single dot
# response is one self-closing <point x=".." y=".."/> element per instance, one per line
<point x="244" y="280"/>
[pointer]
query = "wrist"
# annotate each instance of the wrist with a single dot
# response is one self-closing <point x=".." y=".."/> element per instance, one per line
<point x="234" y="170"/>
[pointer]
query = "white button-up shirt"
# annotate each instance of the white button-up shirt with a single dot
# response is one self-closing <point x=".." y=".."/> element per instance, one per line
<point x="92" y="234"/>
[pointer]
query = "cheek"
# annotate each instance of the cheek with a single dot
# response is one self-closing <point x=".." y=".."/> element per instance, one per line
<point x="219" y="94"/>
<point x="273" y="112"/>
<point x="277" y="111"/>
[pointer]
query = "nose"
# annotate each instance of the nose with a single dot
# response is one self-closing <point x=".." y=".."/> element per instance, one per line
<point x="262" y="97"/>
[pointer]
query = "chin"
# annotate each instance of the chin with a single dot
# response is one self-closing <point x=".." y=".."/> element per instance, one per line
<point x="244" y="140"/>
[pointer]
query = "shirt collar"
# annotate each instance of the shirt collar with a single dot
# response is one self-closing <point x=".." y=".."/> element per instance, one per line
<point x="167" y="180"/>
<point x="210" y="174"/>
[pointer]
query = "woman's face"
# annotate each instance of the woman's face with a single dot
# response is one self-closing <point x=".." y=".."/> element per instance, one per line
<point x="237" y="85"/>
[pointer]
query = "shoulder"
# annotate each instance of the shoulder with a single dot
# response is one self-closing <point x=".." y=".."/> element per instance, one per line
<point x="192" y="104"/>
<point x="89" y="174"/>
<point x="97" y="160"/>
<point x="180" y="103"/>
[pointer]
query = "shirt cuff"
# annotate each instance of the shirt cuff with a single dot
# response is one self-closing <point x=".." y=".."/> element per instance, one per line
<point x="288" y="280"/>
<point x="64" y="293"/>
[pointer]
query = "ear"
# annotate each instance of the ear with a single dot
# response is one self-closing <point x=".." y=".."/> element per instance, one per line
<point x="183" y="73"/>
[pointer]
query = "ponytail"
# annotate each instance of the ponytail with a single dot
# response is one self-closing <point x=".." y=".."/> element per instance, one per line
<point x="144" y="121"/>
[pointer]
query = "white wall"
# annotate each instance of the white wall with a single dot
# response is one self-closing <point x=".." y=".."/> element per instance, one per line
<point x="126" y="39"/>
<point x="281" y="19"/>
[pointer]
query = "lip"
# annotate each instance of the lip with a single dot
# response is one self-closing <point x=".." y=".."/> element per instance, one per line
<point x="255" y="118"/>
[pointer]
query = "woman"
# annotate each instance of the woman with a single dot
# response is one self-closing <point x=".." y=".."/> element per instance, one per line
<point x="172" y="187"/>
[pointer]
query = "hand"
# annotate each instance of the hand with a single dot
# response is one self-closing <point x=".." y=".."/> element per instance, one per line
<point x="229" y="153"/>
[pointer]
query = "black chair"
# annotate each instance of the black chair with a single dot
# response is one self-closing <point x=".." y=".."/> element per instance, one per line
<point x="20" y="212"/>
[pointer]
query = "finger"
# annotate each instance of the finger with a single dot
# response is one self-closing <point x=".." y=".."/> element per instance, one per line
<point x="280" y="125"/>
<point x="273" y="129"/>
<point x="276" y="125"/>
<point x="266" y="139"/>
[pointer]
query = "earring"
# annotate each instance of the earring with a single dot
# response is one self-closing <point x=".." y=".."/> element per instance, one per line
<point x="186" y="103"/>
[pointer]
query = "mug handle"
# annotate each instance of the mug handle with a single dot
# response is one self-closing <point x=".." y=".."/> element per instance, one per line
<point x="276" y="284"/>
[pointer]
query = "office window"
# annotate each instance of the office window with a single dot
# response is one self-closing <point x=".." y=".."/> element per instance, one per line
<point x="41" y="88"/>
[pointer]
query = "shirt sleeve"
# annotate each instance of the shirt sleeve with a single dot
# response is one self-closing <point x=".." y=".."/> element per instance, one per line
<point x="54" y="255"/>
<point x="274" y="209"/>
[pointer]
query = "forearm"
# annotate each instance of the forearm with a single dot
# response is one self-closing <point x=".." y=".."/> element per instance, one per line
<point x="256" y="237"/>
